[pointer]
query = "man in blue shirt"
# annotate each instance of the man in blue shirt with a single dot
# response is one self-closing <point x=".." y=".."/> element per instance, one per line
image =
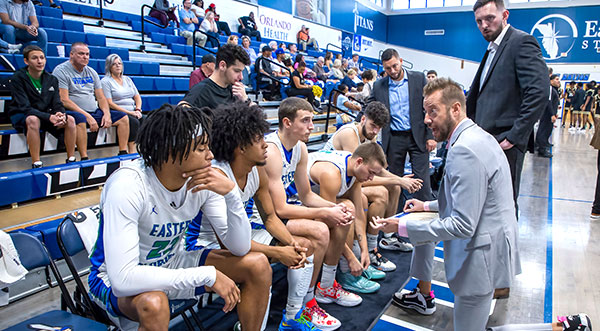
<point x="188" y="24"/>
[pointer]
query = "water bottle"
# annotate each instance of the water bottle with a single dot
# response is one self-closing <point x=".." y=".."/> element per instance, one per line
<point x="60" y="48"/>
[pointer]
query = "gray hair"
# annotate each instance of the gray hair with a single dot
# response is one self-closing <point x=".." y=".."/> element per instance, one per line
<point x="320" y="59"/>
<point x="110" y="60"/>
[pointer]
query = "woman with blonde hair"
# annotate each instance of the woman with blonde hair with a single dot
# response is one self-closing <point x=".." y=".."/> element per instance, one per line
<point x="232" y="40"/>
<point x="209" y="26"/>
<point x="337" y="69"/>
<point x="122" y="95"/>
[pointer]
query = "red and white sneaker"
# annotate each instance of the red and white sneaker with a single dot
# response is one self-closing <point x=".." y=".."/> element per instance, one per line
<point x="319" y="317"/>
<point x="337" y="294"/>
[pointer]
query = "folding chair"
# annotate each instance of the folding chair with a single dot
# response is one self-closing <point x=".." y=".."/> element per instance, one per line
<point x="70" y="243"/>
<point x="33" y="254"/>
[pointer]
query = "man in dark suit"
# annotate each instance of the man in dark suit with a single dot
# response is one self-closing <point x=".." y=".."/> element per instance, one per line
<point x="547" y="119"/>
<point x="402" y="94"/>
<point x="510" y="90"/>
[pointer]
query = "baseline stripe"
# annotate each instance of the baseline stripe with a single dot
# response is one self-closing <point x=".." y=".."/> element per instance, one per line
<point x="548" y="291"/>
<point x="403" y="324"/>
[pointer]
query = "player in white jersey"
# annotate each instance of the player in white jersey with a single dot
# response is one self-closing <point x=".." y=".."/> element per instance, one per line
<point x="338" y="175"/>
<point x="240" y="153"/>
<point x="287" y="159"/>
<point x="383" y="192"/>
<point x="139" y="262"/>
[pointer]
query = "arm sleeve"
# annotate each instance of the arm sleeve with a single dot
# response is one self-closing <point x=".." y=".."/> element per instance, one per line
<point x="233" y="227"/>
<point x="468" y="189"/>
<point x="532" y="75"/>
<point x="105" y="85"/>
<point x="20" y="99"/>
<point x="121" y="209"/>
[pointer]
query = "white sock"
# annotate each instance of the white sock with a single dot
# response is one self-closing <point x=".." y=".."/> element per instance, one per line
<point x="328" y="275"/>
<point x="344" y="266"/>
<point x="298" y="283"/>
<point x="356" y="249"/>
<point x="264" y="323"/>
<point x="371" y="241"/>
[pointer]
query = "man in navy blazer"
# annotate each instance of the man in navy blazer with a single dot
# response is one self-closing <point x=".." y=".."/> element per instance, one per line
<point x="511" y="87"/>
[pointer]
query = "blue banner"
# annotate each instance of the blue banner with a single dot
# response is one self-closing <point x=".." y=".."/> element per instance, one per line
<point x="347" y="44"/>
<point x="353" y="17"/>
<point x="281" y="5"/>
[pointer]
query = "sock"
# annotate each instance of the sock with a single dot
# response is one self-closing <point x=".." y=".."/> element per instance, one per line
<point x="264" y="323"/>
<point x="344" y="266"/>
<point x="388" y="235"/>
<point x="298" y="284"/>
<point x="356" y="249"/>
<point x="328" y="275"/>
<point x="371" y="241"/>
<point x="310" y="294"/>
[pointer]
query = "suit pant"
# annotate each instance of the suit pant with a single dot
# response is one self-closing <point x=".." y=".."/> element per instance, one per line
<point x="515" y="161"/>
<point x="543" y="133"/>
<point x="421" y="264"/>
<point x="401" y="143"/>
<point x="471" y="312"/>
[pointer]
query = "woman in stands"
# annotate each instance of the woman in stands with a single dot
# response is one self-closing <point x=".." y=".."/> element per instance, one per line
<point x="246" y="46"/>
<point x="198" y="9"/>
<point x="349" y="80"/>
<point x="163" y="12"/>
<point x="328" y="60"/>
<point x="122" y="95"/>
<point x="337" y="69"/>
<point x="342" y="102"/>
<point x="209" y="26"/>
<point x="232" y="40"/>
<point x="298" y="85"/>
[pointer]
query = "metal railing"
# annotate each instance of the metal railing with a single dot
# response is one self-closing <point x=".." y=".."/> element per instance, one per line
<point x="260" y="74"/>
<point x="405" y="63"/>
<point x="195" y="44"/>
<point x="143" y="19"/>
<point x="325" y="135"/>
<point x="101" y="21"/>
<point x="377" y="63"/>
<point x="333" y="46"/>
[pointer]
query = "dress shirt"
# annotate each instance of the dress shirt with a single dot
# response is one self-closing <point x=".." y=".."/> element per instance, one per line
<point x="492" y="48"/>
<point x="399" y="104"/>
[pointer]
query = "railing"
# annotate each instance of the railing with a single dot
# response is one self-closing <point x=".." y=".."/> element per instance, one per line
<point x="377" y="63"/>
<point x="325" y="135"/>
<point x="333" y="46"/>
<point x="260" y="74"/>
<point x="101" y="21"/>
<point x="405" y="63"/>
<point x="203" y="47"/>
<point x="143" y="19"/>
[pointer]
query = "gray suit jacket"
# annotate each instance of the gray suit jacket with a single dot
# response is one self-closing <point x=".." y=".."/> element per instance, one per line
<point x="381" y="92"/>
<point x="514" y="92"/>
<point x="477" y="215"/>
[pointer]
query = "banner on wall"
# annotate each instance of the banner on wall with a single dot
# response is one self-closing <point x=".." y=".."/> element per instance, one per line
<point x="313" y="10"/>
<point x="354" y="17"/>
<point x="347" y="44"/>
<point x="126" y="6"/>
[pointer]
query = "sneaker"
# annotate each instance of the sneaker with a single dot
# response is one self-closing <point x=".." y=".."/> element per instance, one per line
<point x="595" y="217"/>
<point x="379" y="262"/>
<point x="336" y="294"/>
<point x="237" y="326"/>
<point x="373" y="274"/>
<point x="576" y="322"/>
<point x="15" y="46"/>
<point x="319" y="317"/>
<point x="299" y="323"/>
<point x="37" y="164"/>
<point x="70" y="159"/>
<point x="416" y="301"/>
<point x="357" y="283"/>
<point x="395" y="244"/>
<point x="572" y="129"/>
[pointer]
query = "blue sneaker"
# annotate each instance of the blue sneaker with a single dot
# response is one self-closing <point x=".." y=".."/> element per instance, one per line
<point x="299" y="323"/>
<point x="373" y="274"/>
<point x="357" y="284"/>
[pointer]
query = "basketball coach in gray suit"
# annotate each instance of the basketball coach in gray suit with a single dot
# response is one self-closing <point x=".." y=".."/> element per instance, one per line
<point x="402" y="94"/>
<point x="477" y="226"/>
<point x="511" y="88"/>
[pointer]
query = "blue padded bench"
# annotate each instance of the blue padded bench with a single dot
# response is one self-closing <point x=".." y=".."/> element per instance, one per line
<point x="166" y="39"/>
<point x="61" y="24"/>
<point x="150" y="102"/>
<point x="131" y="67"/>
<point x="96" y="52"/>
<point x="69" y="37"/>
<point x="167" y="84"/>
<point x="137" y="26"/>
<point x="48" y="11"/>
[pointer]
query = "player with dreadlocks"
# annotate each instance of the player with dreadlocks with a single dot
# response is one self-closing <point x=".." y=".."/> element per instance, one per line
<point x="240" y="153"/>
<point x="138" y="263"/>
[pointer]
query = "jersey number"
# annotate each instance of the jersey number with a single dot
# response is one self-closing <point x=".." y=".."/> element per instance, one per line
<point x="162" y="247"/>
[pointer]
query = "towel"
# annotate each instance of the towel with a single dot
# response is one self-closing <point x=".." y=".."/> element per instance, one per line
<point x="11" y="269"/>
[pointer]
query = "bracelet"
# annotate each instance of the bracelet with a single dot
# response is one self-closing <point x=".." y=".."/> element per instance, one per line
<point x="137" y="109"/>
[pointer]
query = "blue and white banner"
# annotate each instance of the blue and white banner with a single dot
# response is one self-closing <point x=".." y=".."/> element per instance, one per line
<point x="353" y="17"/>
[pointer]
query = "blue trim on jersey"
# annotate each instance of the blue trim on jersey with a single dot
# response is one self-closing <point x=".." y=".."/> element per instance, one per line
<point x="250" y="207"/>
<point x="257" y="226"/>
<point x="97" y="287"/>
<point x="348" y="178"/>
<point x="291" y="191"/>
<point x="288" y="155"/>
<point x="192" y="233"/>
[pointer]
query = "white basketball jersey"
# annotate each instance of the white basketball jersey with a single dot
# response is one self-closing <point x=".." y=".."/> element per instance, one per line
<point x="340" y="160"/>
<point x="290" y="161"/>
<point x="329" y="144"/>
<point x="200" y="233"/>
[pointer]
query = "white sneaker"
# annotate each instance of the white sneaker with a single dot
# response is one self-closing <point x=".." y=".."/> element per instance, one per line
<point x="395" y="244"/>
<point x="336" y="294"/>
<point x="379" y="262"/>
<point x="595" y="217"/>
<point x="581" y="131"/>
<point x="319" y="317"/>
<point x="572" y="130"/>
<point x="15" y="46"/>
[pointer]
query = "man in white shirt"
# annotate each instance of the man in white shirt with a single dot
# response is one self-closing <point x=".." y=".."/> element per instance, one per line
<point x="139" y="262"/>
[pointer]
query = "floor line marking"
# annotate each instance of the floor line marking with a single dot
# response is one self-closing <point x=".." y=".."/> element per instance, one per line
<point x="405" y="324"/>
<point x="548" y="290"/>
<point x="561" y="199"/>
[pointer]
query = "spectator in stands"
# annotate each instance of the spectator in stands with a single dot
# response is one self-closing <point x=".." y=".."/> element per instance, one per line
<point x="162" y="11"/>
<point x="9" y="48"/>
<point x="282" y="46"/>
<point x="232" y="40"/>
<point x="20" y="24"/>
<point x="264" y="67"/>
<point x="337" y="69"/>
<point x="188" y="25"/>
<point x="81" y="93"/>
<point x="248" y="26"/>
<point x="287" y="62"/>
<point x="293" y="49"/>
<point x="431" y="75"/>
<point x="206" y="69"/>
<point x="246" y="45"/>
<point x="198" y="8"/>
<point x="338" y="56"/>
<point x="52" y="3"/>
<point x="299" y="87"/>
<point x="224" y="85"/>
<point x="209" y="26"/>
<point x="329" y="60"/>
<point x="36" y="105"/>
<point x="223" y="26"/>
<point x="342" y="102"/>
<point x="349" y="80"/>
<point x="319" y="69"/>
<point x="368" y="78"/>
<point x="354" y="64"/>
<point x="305" y="40"/>
<point x="299" y="58"/>
<point x="122" y="95"/>
<point x="345" y="66"/>
<point x="279" y="57"/>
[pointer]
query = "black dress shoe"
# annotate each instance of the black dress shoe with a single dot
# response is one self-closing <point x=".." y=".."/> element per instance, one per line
<point x="545" y="154"/>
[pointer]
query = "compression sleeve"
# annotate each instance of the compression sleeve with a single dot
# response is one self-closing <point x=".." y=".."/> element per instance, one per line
<point x="123" y="202"/>
<point x="237" y="240"/>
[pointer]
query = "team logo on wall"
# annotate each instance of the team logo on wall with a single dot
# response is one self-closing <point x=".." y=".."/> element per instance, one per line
<point x="347" y="43"/>
<point x="557" y="34"/>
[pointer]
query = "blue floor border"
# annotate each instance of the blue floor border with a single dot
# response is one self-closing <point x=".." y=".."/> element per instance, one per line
<point x="548" y="290"/>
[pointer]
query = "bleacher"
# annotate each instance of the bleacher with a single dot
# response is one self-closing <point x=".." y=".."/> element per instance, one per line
<point x="161" y="74"/>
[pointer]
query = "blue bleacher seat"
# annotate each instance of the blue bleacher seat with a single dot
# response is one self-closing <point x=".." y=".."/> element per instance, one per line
<point x="71" y="37"/>
<point x="143" y="84"/>
<point x="94" y="39"/>
<point x="15" y="187"/>
<point x="182" y="49"/>
<point x="55" y="35"/>
<point x="53" y="61"/>
<point x="48" y="231"/>
<point x="150" y="69"/>
<point x="181" y="84"/>
<point x="133" y="68"/>
<point x="71" y="25"/>
<point x="48" y="11"/>
<point x="163" y="83"/>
